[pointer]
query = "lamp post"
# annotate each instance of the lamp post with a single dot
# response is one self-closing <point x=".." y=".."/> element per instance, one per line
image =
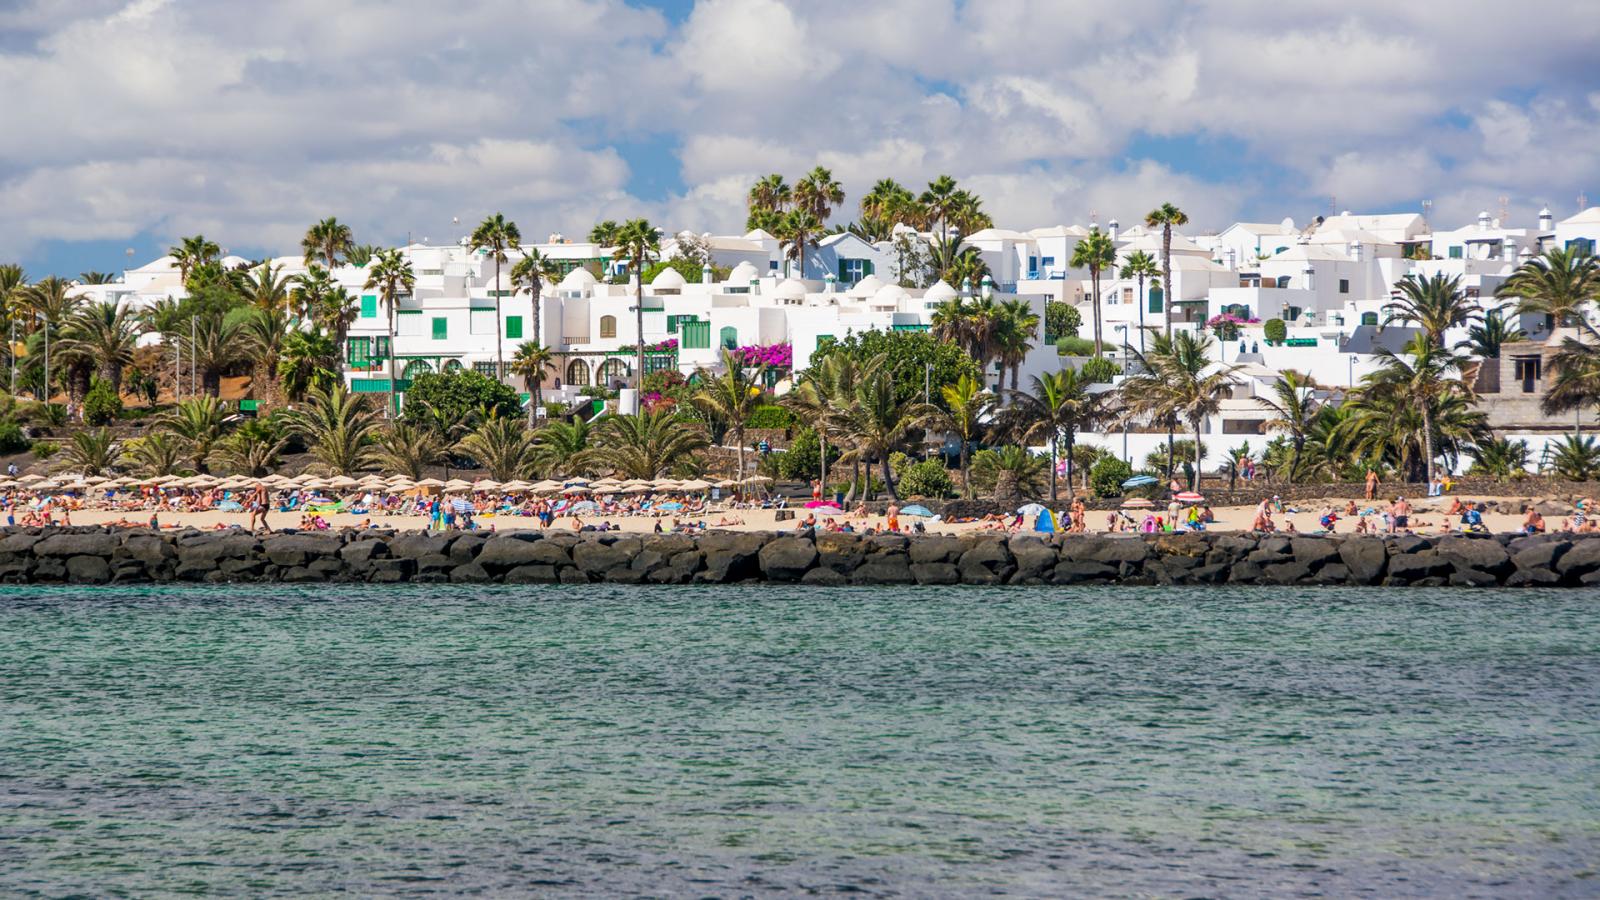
<point x="193" y="368"/>
<point x="1124" y="330"/>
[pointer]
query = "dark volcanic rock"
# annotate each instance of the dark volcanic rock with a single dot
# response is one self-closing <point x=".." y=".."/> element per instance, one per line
<point x="788" y="558"/>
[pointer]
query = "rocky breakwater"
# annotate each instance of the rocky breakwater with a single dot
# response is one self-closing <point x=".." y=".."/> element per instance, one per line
<point x="100" y="556"/>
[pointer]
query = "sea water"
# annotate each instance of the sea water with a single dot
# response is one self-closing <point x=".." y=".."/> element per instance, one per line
<point x="748" y="740"/>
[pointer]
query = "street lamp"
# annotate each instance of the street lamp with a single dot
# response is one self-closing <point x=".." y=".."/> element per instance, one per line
<point x="1124" y="329"/>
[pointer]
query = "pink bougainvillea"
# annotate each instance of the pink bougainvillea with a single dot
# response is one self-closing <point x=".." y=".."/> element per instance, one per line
<point x="775" y="356"/>
<point x="668" y="344"/>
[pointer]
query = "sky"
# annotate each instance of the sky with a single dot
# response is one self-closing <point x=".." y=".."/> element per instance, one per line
<point x="130" y="123"/>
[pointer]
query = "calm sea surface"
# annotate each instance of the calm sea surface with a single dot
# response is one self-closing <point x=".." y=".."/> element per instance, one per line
<point x="763" y="740"/>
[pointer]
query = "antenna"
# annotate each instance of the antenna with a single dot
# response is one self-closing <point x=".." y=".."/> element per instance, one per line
<point x="1583" y="201"/>
<point x="1505" y="211"/>
<point x="1333" y="204"/>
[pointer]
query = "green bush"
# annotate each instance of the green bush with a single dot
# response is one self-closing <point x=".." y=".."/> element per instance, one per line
<point x="101" y="406"/>
<point x="928" y="478"/>
<point x="803" y="460"/>
<point x="42" y="450"/>
<point x="1100" y="370"/>
<point x="54" y="414"/>
<point x="1061" y="320"/>
<point x="1074" y="346"/>
<point x="1108" y="475"/>
<point x="455" y="396"/>
<point x="1275" y="331"/>
<point x="12" y="440"/>
<point x="769" y="416"/>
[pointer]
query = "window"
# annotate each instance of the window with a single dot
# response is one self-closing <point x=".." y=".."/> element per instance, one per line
<point x="1033" y="265"/>
<point x="1369" y="318"/>
<point x="1283" y="281"/>
<point x="675" y="322"/>
<point x="1455" y="252"/>
<point x="1291" y="313"/>
<point x="441" y="328"/>
<point x="453" y="365"/>
<point x="853" y="270"/>
<point x="1583" y="244"/>
<point x="369" y="306"/>
<point x="578" y="373"/>
<point x="513" y="327"/>
<point x="696" y="335"/>
<point x="485" y="369"/>
<point x="414" y="368"/>
<point x="358" y="351"/>
<point x="1127" y="295"/>
<point x="1047" y="261"/>
<point x="1243" y="426"/>
<point x="1344" y="285"/>
<point x="728" y="337"/>
<point x="612" y="371"/>
<point x="1527" y="370"/>
<point x="380" y="348"/>
<point x="1157" y="301"/>
<point x="608" y="326"/>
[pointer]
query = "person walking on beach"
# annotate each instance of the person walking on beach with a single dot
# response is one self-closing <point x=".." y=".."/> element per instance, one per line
<point x="258" y="508"/>
<point x="1401" y="512"/>
<point x="1372" y="484"/>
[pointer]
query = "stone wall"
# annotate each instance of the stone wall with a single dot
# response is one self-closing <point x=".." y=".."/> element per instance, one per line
<point x="101" y="556"/>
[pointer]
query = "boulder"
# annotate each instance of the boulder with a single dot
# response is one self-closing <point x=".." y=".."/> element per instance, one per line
<point x="1541" y="554"/>
<point x="787" y="558"/>
<point x="842" y="552"/>
<point x="1580" y="559"/>
<point x="1477" y="554"/>
<point x="1411" y="568"/>
<point x="1035" y="560"/>
<point x="1078" y="571"/>
<point x="596" y="559"/>
<point x="1314" y="551"/>
<point x="469" y="573"/>
<point x="92" y="544"/>
<point x="935" y="573"/>
<point x="531" y="574"/>
<point x="299" y="549"/>
<point x="1365" y="558"/>
<point x="88" y="570"/>
<point x="884" y="570"/>
<point x="824" y="578"/>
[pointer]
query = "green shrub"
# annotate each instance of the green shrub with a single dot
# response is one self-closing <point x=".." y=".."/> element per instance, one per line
<point x="1100" y="370"/>
<point x="769" y="416"/>
<point x="803" y="460"/>
<point x="1061" y="320"/>
<point x="102" y="405"/>
<point x="12" y="440"/>
<point x="42" y="450"/>
<point x="1074" y="346"/>
<point x="928" y="478"/>
<point x="1108" y="475"/>
<point x="1275" y="331"/>
<point x="54" y="414"/>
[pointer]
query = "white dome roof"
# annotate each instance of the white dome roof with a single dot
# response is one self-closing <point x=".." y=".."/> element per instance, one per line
<point x="578" y="279"/>
<point x="742" y="273"/>
<point x="668" y="278"/>
<point x="890" y="293"/>
<point x="791" y="289"/>
<point x="866" y="287"/>
<point x="940" y="292"/>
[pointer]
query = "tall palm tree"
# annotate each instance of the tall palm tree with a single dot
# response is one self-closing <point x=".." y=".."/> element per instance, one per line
<point x="638" y="242"/>
<point x="1060" y="405"/>
<point x="886" y="201"/>
<point x="731" y="396"/>
<point x="266" y="333"/>
<point x="93" y="277"/>
<point x="329" y="239"/>
<point x="51" y="300"/>
<point x="646" y="445"/>
<point x="797" y="228"/>
<point x="253" y="449"/>
<point x="957" y="265"/>
<point x="502" y="446"/>
<point x="391" y="274"/>
<point x="495" y="235"/>
<point x="106" y="334"/>
<point x="966" y="211"/>
<point x="192" y="252"/>
<point x="876" y="421"/>
<point x="1139" y="265"/>
<point x="1419" y="380"/>
<point x="1096" y="253"/>
<point x="307" y="359"/>
<point x="770" y="194"/>
<point x="157" y="453"/>
<point x="940" y="199"/>
<point x="266" y="288"/>
<point x="604" y="233"/>
<point x="1486" y="339"/>
<point x="827" y="387"/>
<point x="966" y="406"/>
<point x="1015" y="333"/>
<point x="564" y="448"/>
<point x="530" y="274"/>
<point x="1560" y="283"/>
<point x="1294" y="409"/>
<point x="1436" y="304"/>
<point x="199" y="423"/>
<point x="530" y="363"/>
<point x="1180" y="381"/>
<point x="1166" y="217"/>
<point x="818" y="193"/>
<point x="215" y="343"/>
<point x="406" y="449"/>
<point x="339" y="428"/>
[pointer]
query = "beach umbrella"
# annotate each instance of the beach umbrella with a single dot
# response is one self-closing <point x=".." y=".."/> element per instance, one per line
<point x="343" y="482"/>
<point x="516" y="486"/>
<point x="575" y="489"/>
<point x="1032" y="509"/>
<point x="695" y="485"/>
<point x="918" y="511"/>
<point x="758" y="479"/>
<point x="430" y="483"/>
<point x="32" y="478"/>
<point x="667" y="484"/>
<point x="486" y="484"/>
<point x="304" y="478"/>
<point x="458" y="484"/>
<point x="824" y="507"/>
<point x="1188" y="497"/>
<point x="727" y="483"/>
<point x="575" y="482"/>
<point x="635" y="487"/>
<point x="1137" y="503"/>
<point x="1140" y="481"/>
<point x="96" y="479"/>
<point x="547" y="487"/>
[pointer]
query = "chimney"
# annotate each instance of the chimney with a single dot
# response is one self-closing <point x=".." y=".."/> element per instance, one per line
<point x="1357" y="251"/>
<point x="1311" y="282"/>
<point x="1113" y="229"/>
<point x="1508" y="250"/>
<point x="830" y="283"/>
<point x="1232" y="256"/>
<point x="1547" y="221"/>
<point x="1483" y="221"/>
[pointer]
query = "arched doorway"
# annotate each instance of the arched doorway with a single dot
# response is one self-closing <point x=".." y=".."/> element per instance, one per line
<point x="613" y="371"/>
<point x="416" y="367"/>
<point x="578" y="373"/>
<point x="729" y="337"/>
<point x="453" y="365"/>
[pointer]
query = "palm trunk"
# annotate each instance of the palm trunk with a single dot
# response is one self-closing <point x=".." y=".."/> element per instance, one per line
<point x="1427" y="440"/>
<point x="1294" y="460"/>
<point x="389" y="413"/>
<point x="499" y="325"/>
<point x="638" y="310"/>
<point x="1070" y="442"/>
<point x="738" y="441"/>
<point x="538" y="329"/>
<point x="966" y="478"/>
<point x="1143" y="302"/>
<point x="1053" y="469"/>
<point x="1166" y="274"/>
<point x="1195" y="484"/>
<point x="533" y="401"/>
<point x="1094" y="279"/>
<point x="888" y="478"/>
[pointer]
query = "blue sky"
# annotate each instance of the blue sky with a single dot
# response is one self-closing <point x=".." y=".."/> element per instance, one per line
<point x="136" y="122"/>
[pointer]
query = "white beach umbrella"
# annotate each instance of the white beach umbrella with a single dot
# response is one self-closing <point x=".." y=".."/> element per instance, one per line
<point x="695" y="485"/>
<point x="547" y="487"/>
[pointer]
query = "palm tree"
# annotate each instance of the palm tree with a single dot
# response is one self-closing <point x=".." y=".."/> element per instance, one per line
<point x="360" y="254"/>
<point x="530" y="274"/>
<point x="1436" y="304"/>
<point x="1166" y="217"/>
<point x="1418" y="380"/>
<point x="1180" y="381"/>
<point x="1096" y="253"/>
<point x="1560" y="283"/>
<point x="768" y="195"/>
<point x="93" y="451"/>
<point x="637" y="243"/>
<point x="215" y="343"/>
<point x="951" y="322"/>
<point x="796" y="229"/>
<point x="1294" y="408"/>
<point x="308" y="359"/>
<point x="1486" y="339"/>
<point x="645" y="445"/>
<point x="966" y="406"/>
<point x="818" y="193"/>
<point x="887" y="199"/>
<point x="1139" y="265"/>
<point x="731" y="396"/>
<point x="319" y="299"/>
<point x="406" y="449"/>
<point x="530" y="363"/>
<point x="564" y="448"/>
<point x="328" y="239"/>
<point x="199" y="423"/>
<point x="252" y="449"/>
<point x="266" y="288"/>
<point x="876" y="421"/>
<point x="156" y="454"/>
<point x="604" y="233"/>
<point x="1576" y="458"/>
<point x="105" y="333"/>
<point x="266" y="333"/>
<point x="51" y="300"/>
<point x="1010" y="472"/>
<point x="827" y="386"/>
<point x="956" y="265"/>
<point x="93" y="277"/>
<point x="339" y="428"/>
<point x="391" y="274"/>
<point x="502" y="446"/>
<point x="1015" y="331"/>
<point x="966" y="211"/>
<point x="193" y="252"/>
<point x="495" y="235"/>
<point x="1500" y="458"/>
<point x="940" y="200"/>
<point x="1059" y="406"/>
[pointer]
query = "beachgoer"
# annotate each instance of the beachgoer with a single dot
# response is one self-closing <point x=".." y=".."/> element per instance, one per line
<point x="1372" y="484"/>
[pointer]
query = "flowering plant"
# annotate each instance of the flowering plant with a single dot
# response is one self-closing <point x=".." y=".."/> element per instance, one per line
<point x="668" y="344"/>
<point x="1226" y="325"/>
<point x="775" y="356"/>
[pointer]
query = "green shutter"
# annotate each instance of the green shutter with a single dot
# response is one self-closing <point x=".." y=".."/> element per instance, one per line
<point x="441" y="328"/>
<point x="696" y="335"/>
<point x="513" y="327"/>
<point x="843" y="278"/>
<point x="358" y="351"/>
<point x="369" y="306"/>
<point x="867" y="268"/>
